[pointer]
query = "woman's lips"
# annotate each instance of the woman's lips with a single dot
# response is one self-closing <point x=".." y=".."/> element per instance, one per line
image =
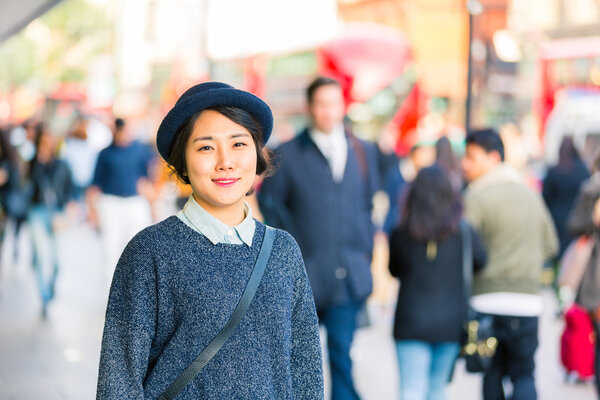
<point x="226" y="182"/>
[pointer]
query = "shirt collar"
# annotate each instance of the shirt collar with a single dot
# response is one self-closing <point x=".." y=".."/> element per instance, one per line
<point x="336" y="135"/>
<point x="215" y="230"/>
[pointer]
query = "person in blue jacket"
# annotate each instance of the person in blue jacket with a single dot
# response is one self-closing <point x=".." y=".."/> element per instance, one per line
<point x="178" y="282"/>
<point x="325" y="181"/>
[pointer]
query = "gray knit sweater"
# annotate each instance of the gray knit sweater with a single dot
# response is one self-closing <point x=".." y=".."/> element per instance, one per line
<point x="173" y="291"/>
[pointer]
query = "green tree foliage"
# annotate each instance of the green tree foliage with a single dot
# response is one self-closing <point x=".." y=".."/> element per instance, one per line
<point x="57" y="47"/>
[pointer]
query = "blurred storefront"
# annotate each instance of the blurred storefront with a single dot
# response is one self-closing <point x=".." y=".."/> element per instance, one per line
<point x="403" y="63"/>
<point x="560" y="70"/>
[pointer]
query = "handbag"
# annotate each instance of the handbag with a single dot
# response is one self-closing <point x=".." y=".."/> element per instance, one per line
<point x="574" y="262"/>
<point x="219" y="340"/>
<point x="479" y="343"/>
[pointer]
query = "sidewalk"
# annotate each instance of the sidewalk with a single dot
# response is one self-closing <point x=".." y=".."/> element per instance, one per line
<point x="57" y="359"/>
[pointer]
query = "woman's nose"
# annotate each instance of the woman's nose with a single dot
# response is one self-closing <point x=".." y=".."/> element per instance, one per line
<point x="224" y="159"/>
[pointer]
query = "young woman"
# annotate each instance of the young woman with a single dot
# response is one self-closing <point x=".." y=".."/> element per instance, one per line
<point x="52" y="188"/>
<point x="426" y="255"/>
<point x="178" y="282"/>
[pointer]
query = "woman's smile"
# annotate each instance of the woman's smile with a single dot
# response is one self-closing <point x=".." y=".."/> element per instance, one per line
<point x="226" y="182"/>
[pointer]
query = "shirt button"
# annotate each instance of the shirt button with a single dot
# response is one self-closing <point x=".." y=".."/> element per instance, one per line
<point x="230" y="232"/>
<point x="340" y="273"/>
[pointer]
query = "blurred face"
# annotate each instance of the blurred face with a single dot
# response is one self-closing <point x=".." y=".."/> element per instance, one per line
<point x="221" y="158"/>
<point x="423" y="156"/>
<point x="122" y="136"/>
<point x="477" y="162"/>
<point x="327" y="107"/>
<point x="46" y="147"/>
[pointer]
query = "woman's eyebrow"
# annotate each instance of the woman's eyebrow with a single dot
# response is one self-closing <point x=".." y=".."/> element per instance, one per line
<point x="241" y="134"/>
<point x="202" y="138"/>
<point x="232" y="136"/>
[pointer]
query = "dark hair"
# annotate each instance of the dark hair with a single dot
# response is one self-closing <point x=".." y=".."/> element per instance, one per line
<point x="316" y="84"/>
<point x="433" y="208"/>
<point x="488" y="139"/>
<point x="40" y="130"/>
<point x="241" y="117"/>
<point x="567" y="154"/>
<point x="444" y="155"/>
<point x="7" y="151"/>
<point x="119" y="123"/>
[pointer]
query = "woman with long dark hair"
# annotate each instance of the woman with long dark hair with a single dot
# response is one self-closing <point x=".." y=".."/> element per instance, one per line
<point x="426" y="256"/>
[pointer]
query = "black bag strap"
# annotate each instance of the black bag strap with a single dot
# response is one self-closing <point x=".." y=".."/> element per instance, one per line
<point x="215" y="345"/>
<point x="467" y="254"/>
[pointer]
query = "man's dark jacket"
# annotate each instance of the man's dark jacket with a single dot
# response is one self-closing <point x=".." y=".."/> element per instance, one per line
<point x="331" y="221"/>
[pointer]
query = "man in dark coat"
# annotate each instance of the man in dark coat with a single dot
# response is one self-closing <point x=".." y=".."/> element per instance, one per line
<point x="322" y="192"/>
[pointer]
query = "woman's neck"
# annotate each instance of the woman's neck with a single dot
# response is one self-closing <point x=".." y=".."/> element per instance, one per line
<point x="230" y="216"/>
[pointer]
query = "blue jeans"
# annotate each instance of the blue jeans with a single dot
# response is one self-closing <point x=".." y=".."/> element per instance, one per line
<point x="514" y="357"/>
<point x="425" y="368"/>
<point x="340" y="323"/>
<point x="45" y="261"/>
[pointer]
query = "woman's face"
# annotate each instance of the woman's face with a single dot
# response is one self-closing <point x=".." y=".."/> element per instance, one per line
<point x="221" y="158"/>
<point x="46" y="147"/>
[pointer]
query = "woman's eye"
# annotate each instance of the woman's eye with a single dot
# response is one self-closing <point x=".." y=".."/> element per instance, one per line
<point x="240" y="144"/>
<point x="204" y="148"/>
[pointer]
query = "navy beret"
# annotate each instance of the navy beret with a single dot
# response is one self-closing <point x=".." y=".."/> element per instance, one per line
<point x="207" y="95"/>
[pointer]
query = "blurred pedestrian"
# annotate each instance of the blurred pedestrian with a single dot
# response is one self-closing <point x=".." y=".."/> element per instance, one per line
<point x="426" y="255"/>
<point x="122" y="170"/>
<point x="52" y="188"/>
<point x="584" y="221"/>
<point x="325" y="182"/>
<point x="9" y="178"/>
<point x="517" y="231"/>
<point x="580" y="221"/>
<point x="178" y="282"/>
<point x="21" y="150"/>
<point x="561" y="186"/>
<point x="9" y="181"/>
<point x="588" y="293"/>
<point x="448" y="162"/>
<point x="81" y="155"/>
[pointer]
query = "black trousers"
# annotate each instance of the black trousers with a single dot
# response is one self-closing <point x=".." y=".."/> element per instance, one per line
<point x="514" y="358"/>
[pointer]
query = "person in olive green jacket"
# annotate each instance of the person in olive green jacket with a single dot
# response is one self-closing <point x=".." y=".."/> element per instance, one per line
<point x="519" y="235"/>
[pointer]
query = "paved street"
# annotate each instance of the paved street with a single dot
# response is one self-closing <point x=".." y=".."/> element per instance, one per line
<point x="57" y="358"/>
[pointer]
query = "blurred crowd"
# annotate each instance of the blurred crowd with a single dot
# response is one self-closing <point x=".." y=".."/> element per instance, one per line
<point x="444" y="193"/>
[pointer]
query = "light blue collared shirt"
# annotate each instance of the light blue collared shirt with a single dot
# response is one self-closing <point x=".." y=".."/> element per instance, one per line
<point x="200" y="220"/>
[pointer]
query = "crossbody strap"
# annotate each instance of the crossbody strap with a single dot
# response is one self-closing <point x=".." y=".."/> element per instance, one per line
<point x="215" y="345"/>
<point x="467" y="253"/>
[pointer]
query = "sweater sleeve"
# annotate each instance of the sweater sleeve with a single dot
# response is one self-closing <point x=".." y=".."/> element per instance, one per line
<point x="550" y="237"/>
<point x="130" y="323"/>
<point x="306" y="362"/>
<point x="396" y="261"/>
